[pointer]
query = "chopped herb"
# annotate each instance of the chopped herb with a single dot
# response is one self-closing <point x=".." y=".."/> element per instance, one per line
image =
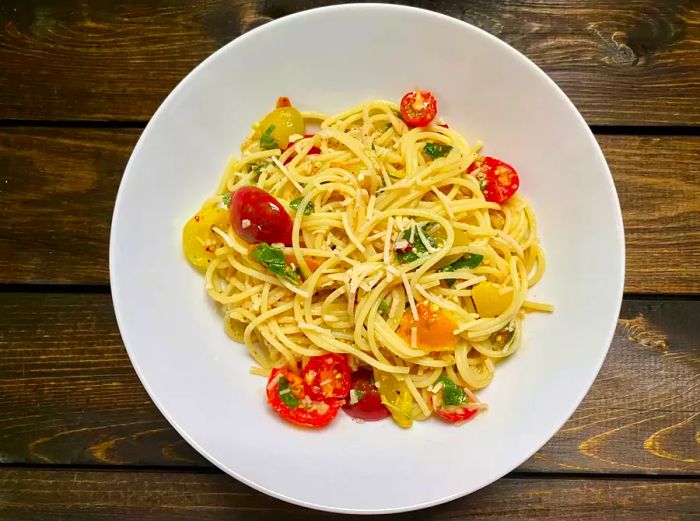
<point x="286" y="394"/>
<point x="417" y="248"/>
<point x="384" y="307"/>
<point x="470" y="260"/>
<point x="294" y="205"/>
<point x="273" y="260"/>
<point x="267" y="142"/>
<point x="355" y="396"/>
<point x="452" y="394"/>
<point x="258" y="167"/>
<point x="436" y="150"/>
<point x="226" y="199"/>
<point x="385" y="127"/>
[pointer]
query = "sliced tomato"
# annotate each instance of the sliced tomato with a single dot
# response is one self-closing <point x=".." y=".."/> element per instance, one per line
<point x="499" y="181"/>
<point x="456" y="409"/>
<point x="454" y="413"/>
<point x="287" y="396"/>
<point x="434" y="328"/>
<point x="257" y="216"/>
<point x="418" y="108"/>
<point x="367" y="404"/>
<point x="312" y="262"/>
<point x="313" y="150"/>
<point x="327" y="377"/>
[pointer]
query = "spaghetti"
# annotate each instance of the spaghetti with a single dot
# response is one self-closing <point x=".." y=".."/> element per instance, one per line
<point x="398" y="261"/>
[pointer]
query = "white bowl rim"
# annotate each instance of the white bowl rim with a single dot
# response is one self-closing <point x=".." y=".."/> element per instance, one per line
<point x="564" y="415"/>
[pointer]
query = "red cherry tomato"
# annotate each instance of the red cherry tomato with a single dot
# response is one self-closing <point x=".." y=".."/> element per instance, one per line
<point x="327" y="377"/>
<point x="499" y="181"/>
<point x="369" y="406"/>
<point x="452" y="413"/>
<point x="418" y="108"/>
<point x="256" y="216"/>
<point x="286" y="395"/>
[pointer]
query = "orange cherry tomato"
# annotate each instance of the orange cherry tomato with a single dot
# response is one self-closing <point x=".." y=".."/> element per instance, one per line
<point x="312" y="262"/>
<point x="418" y="108"/>
<point x="434" y="329"/>
<point x="499" y="181"/>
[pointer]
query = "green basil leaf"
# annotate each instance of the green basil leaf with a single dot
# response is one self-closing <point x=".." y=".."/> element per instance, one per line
<point x="273" y="260"/>
<point x="384" y="307"/>
<point x="452" y="394"/>
<point x="470" y="260"/>
<point x="286" y="394"/>
<point x="419" y="249"/>
<point x="267" y="142"/>
<point x="436" y="150"/>
<point x="294" y="205"/>
<point x="226" y="199"/>
<point x="258" y="167"/>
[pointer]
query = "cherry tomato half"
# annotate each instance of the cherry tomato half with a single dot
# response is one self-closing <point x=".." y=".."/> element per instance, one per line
<point x="499" y="181"/>
<point x="256" y="216"/>
<point x="452" y="413"/>
<point x="327" y="377"/>
<point x="418" y="108"/>
<point x="368" y="405"/>
<point x="434" y="328"/>
<point x="286" y="395"/>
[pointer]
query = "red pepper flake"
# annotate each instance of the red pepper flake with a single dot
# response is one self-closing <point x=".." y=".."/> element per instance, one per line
<point x="196" y="218"/>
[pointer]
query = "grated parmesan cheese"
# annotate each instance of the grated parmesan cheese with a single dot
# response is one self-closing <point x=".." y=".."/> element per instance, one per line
<point x="245" y="223"/>
<point x="409" y="295"/>
<point x="387" y="239"/>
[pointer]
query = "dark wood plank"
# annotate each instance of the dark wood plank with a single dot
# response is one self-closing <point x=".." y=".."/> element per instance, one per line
<point x="70" y="395"/>
<point x="64" y="495"/>
<point x="58" y="188"/>
<point x="628" y="63"/>
<point x="658" y="183"/>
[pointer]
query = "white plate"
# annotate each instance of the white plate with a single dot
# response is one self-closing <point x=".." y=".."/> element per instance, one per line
<point x="327" y="60"/>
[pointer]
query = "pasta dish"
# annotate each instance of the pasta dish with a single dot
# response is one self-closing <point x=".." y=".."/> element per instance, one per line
<point x="372" y="261"/>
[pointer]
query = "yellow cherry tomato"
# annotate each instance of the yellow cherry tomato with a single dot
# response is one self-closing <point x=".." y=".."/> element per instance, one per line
<point x="287" y="121"/>
<point x="199" y="240"/>
<point x="397" y="398"/>
<point x="489" y="300"/>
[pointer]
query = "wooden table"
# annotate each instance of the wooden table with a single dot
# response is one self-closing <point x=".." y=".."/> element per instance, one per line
<point x="79" y="437"/>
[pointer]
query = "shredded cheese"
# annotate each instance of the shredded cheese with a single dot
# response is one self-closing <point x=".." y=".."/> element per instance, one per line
<point x="284" y="170"/>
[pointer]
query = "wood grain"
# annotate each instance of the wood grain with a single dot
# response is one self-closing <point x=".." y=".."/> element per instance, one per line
<point x="658" y="184"/>
<point x="71" y="397"/>
<point x="633" y="63"/>
<point x="58" y="187"/>
<point x="63" y="495"/>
